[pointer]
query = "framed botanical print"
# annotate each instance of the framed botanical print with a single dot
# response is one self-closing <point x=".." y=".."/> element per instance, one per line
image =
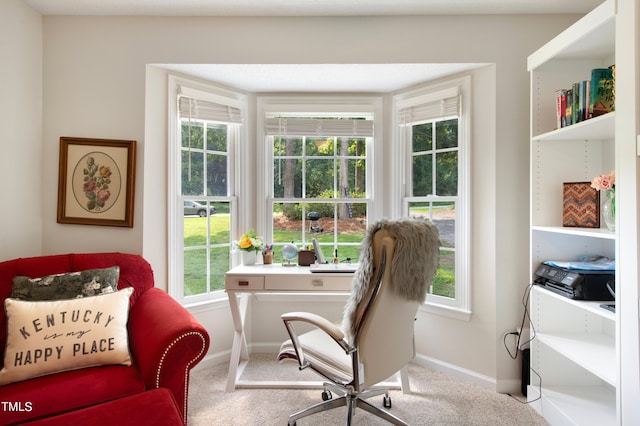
<point x="96" y="181"/>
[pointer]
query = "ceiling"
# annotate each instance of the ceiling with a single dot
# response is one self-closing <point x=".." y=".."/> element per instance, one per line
<point x="336" y="78"/>
<point x="352" y="78"/>
<point x="307" y="7"/>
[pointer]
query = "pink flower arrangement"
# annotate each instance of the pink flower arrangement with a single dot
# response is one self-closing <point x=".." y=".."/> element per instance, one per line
<point x="606" y="182"/>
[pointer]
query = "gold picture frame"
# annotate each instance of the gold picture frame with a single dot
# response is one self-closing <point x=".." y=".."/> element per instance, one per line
<point x="96" y="181"/>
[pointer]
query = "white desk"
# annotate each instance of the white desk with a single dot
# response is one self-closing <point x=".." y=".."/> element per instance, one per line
<point x="242" y="281"/>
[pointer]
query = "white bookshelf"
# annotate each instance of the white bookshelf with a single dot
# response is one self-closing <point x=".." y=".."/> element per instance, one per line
<point x="574" y="342"/>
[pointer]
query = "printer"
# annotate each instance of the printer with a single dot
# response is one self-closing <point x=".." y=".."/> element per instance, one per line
<point x="576" y="283"/>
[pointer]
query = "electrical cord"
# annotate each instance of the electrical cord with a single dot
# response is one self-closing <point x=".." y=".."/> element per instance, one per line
<point x="514" y="355"/>
<point x="519" y="344"/>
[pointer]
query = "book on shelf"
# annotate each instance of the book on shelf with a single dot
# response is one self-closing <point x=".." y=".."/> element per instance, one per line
<point x="575" y="89"/>
<point x="581" y="103"/>
<point x="560" y="98"/>
<point x="602" y="91"/>
<point x="568" y="119"/>
<point x="586" y="99"/>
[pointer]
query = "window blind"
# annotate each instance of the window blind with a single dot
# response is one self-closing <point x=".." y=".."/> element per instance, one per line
<point x="198" y="109"/>
<point x="445" y="103"/>
<point x="294" y="126"/>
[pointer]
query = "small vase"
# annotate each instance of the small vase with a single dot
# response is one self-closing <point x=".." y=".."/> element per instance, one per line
<point x="248" y="258"/>
<point x="609" y="213"/>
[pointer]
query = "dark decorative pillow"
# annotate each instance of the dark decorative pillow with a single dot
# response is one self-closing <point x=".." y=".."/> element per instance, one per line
<point x="71" y="285"/>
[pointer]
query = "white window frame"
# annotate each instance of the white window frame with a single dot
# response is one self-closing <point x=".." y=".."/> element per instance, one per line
<point x="331" y="105"/>
<point x="175" y="240"/>
<point x="460" y="306"/>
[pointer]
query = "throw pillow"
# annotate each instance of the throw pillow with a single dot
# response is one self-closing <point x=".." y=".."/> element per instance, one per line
<point x="70" y="285"/>
<point x="51" y="336"/>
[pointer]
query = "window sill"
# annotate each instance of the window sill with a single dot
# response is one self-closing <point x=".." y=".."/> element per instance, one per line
<point x="206" y="305"/>
<point x="446" y="311"/>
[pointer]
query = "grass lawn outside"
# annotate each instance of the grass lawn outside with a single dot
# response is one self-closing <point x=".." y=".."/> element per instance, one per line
<point x="195" y="254"/>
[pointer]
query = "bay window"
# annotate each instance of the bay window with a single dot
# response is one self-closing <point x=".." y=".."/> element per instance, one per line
<point x="203" y="138"/>
<point x="433" y="135"/>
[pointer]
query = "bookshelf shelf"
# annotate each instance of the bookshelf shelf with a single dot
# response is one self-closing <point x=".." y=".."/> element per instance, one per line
<point x="583" y="232"/>
<point x="591" y="37"/>
<point x="602" y="127"/>
<point x="565" y="404"/>
<point x="574" y="348"/>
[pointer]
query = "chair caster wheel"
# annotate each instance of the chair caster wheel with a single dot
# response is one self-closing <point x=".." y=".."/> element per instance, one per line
<point x="386" y="402"/>
<point x="326" y="395"/>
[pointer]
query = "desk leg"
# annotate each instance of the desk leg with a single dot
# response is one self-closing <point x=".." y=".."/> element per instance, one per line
<point x="239" y="349"/>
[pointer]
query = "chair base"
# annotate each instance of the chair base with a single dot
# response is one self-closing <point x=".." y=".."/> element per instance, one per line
<point x="351" y="400"/>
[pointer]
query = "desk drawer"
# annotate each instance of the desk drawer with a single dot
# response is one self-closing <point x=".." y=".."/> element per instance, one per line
<point x="249" y="282"/>
<point x="308" y="283"/>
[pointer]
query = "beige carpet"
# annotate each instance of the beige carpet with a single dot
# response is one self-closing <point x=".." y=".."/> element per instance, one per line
<point x="435" y="400"/>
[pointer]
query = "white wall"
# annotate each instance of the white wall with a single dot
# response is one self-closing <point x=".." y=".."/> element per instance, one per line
<point x="21" y="161"/>
<point x="95" y="77"/>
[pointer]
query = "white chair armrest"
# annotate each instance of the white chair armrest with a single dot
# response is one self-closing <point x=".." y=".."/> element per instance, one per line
<point x="327" y="326"/>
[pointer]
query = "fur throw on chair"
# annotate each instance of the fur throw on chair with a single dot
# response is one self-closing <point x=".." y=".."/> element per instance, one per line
<point x="413" y="267"/>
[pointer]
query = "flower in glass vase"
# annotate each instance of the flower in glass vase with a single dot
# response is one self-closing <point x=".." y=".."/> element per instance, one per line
<point x="607" y="183"/>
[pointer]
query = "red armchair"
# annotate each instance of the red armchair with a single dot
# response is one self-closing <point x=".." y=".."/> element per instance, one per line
<point x="165" y="342"/>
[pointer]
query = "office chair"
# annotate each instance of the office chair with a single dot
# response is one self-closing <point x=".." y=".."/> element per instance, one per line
<point x="397" y="263"/>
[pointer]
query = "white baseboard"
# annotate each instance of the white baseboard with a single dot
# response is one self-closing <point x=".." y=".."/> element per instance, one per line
<point x="456" y="372"/>
<point x="450" y="370"/>
<point x="213" y="359"/>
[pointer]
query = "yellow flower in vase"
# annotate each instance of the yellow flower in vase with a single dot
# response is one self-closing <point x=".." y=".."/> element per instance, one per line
<point x="249" y="241"/>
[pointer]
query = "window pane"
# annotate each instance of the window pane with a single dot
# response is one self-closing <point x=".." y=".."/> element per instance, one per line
<point x="195" y="223"/>
<point x="192" y="134"/>
<point x="220" y="263"/>
<point x="287" y="146"/>
<point x="444" y="217"/>
<point x="319" y="146"/>
<point x="287" y="178"/>
<point x="287" y="224"/>
<point x="422" y="175"/>
<point x="444" y="283"/>
<point x="351" y="178"/>
<point x="220" y="224"/>
<point x="195" y="272"/>
<point x="319" y="178"/>
<point x="447" y="134"/>
<point x="192" y="173"/>
<point x="442" y="214"/>
<point x="217" y="137"/>
<point x="216" y="175"/>
<point x="447" y="173"/>
<point x="357" y="147"/>
<point x="422" y="136"/>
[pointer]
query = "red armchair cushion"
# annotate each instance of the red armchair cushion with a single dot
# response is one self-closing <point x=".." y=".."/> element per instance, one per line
<point x="156" y="407"/>
<point x="57" y="393"/>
